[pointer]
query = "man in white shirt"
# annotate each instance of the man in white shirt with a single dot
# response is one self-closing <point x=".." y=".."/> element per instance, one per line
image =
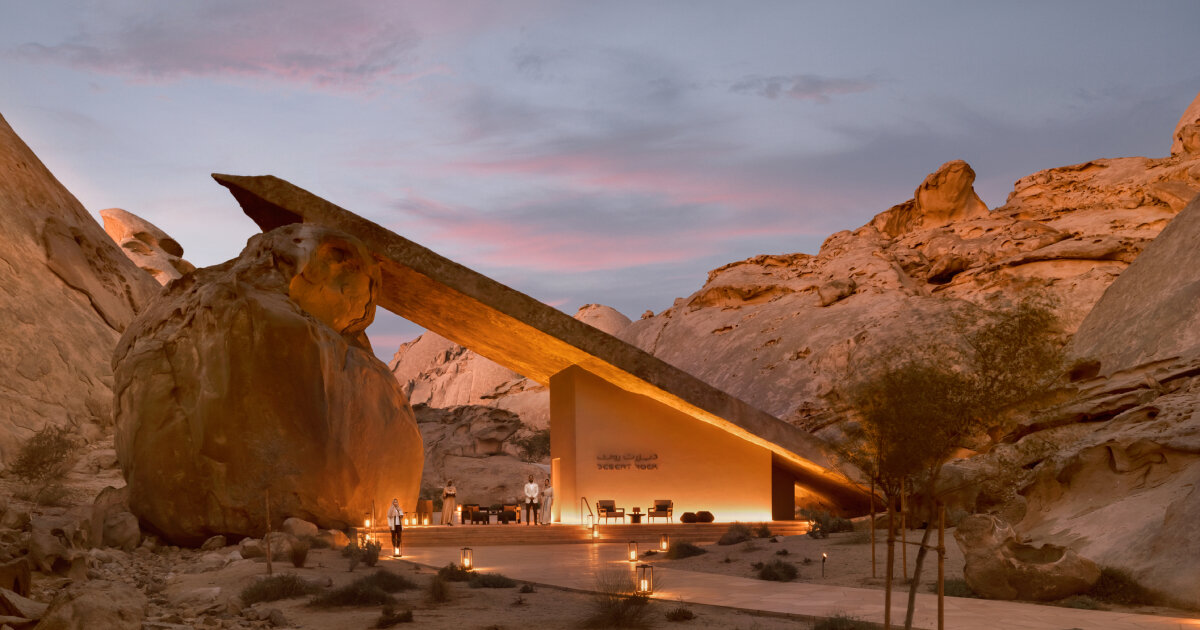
<point x="531" y="501"/>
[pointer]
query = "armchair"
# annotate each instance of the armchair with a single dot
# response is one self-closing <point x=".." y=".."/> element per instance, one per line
<point x="663" y="508"/>
<point x="608" y="509"/>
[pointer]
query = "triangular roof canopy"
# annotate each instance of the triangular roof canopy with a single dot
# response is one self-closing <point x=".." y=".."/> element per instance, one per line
<point x="532" y="338"/>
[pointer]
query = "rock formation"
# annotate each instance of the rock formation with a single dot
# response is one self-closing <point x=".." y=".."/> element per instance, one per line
<point x="435" y="371"/>
<point x="1187" y="132"/>
<point x="475" y="446"/>
<point x="255" y="375"/>
<point x="947" y="195"/>
<point x="67" y="295"/>
<point x="1000" y="566"/>
<point x="147" y="246"/>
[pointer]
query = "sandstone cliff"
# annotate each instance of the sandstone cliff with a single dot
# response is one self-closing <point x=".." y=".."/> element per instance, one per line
<point x="67" y="295"/>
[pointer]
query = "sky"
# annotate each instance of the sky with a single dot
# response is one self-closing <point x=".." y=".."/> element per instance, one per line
<point x="581" y="152"/>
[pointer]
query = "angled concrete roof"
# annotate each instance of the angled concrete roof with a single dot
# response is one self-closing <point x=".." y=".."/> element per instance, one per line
<point x="530" y="337"/>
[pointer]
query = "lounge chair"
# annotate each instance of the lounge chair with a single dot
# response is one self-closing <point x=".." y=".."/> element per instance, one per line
<point x="608" y="509"/>
<point x="663" y="508"/>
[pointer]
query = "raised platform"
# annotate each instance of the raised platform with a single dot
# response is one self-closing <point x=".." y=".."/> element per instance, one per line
<point x="521" y="534"/>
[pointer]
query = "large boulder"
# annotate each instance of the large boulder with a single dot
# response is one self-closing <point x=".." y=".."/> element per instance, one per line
<point x="95" y="605"/>
<point x="256" y="377"/>
<point x="1187" y="133"/>
<point x="147" y="246"/>
<point x="68" y="293"/>
<point x="999" y="566"/>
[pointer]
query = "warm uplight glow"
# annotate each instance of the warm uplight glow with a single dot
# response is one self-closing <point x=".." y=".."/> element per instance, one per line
<point x="595" y="532"/>
<point x="466" y="558"/>
<point x="366" y="522"/>
<point x="425" y="521"/>
<point x="395" y="552"/>
<point x="645" y="579"/>
<point x="633" y="552"/>
<point x="664" y="542"/>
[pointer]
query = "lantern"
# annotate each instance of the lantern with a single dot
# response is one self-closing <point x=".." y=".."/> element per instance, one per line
<point x="595" y="532"/>
<point x="664" y="542"/>
<point x="367" y="520"/>
<point x="590" y="521"/>
<point x="395" y="552"/>
<point x="633" y="554"/>
<point x="645" y="580"/>
<point x="425" y="521"/>
<point x="466" y="558"/>
<point x="824" y="557"/>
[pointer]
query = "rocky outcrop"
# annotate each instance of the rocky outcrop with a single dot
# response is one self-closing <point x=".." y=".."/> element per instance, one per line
<point x="96" y="605"/>
<point x="476" y="447"/>
<point x="147" y="246"/>
<point x="1186" y="139"/>
<point x="256" y="376"/>
<point x="780" y="331"/>
<point x="439" y="373"/>
<point x="67" y="295"/>
<point x="1000" y="566"/>
<point x="947" y="195"/>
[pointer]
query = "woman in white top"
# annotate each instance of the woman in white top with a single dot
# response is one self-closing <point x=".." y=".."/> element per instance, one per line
<point x="449" y="502"/>
<point x="547" y="502"/>
<point x="396" y="522"/>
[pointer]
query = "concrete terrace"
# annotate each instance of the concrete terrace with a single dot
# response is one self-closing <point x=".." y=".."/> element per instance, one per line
<point x="576" y="567"/>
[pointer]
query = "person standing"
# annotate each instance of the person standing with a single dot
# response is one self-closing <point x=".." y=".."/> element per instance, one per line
<point x="547" y="502"/>
<point x="449" y="502"/>
<point x="531" y="500"/>
<point x="396" y="522"/>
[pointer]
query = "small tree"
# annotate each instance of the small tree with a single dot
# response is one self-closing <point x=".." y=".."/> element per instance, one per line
<point x="43" y="460"/>
<point x="919" y="404"/>
<point x="271" y="466"/>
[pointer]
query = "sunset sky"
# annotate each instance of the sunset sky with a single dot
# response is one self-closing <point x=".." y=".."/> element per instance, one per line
<point x="580" y="152"/>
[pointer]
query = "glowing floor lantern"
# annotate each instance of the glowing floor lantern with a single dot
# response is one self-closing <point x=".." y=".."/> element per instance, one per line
<point x="590" y="522"/>
<point x="664" y="542"/>
<point x="466" y="558"/>
<point x="425" y="521"/>
<point x="595" y="532"/>
<point x="367" y="527"/>
<point x="645" y="580"/>
<point x="395" y="552"/>
<point x="633" y="554"/>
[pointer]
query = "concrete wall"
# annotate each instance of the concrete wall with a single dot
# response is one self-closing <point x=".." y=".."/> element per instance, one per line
<point x="598" y="432"/>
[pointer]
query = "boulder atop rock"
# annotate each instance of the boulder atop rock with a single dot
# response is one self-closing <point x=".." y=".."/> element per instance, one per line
<point x="606" y="318"/>
<point x="262" y="366"/>
<point x="68" y="294"/>
<point x="1186" y="138"/>
<point x="147" y="246"/>
<point x="947" y="195"/>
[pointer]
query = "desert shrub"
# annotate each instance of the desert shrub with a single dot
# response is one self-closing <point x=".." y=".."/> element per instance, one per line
<point x="781" y="552"/>
<point x="615" y="605"/>
<point x="1117" y="586"/>
<point x="778" y="571"/>
<point x="387" y="581"/>
<point x="956" y="587"/>
<point x="737" y="533"/>
<point x="854" y="538"/>
<point x="276" y="587"/>
<point x="42" y="461"/>
<point x="490" y="580"/>
<point x="353" y="554"/>
<point x="454" y="573"/>
<point x="371" y="552"/>
<point x="762" y="530"/>
<point x="704" y="516"/>
<point x="824" y="523"/>
<point x="679" y="550"/>
<point x="316" y="542"/>
<point x="680" y="613"/>
<point x="650" y="552"/>
<point x="389" y="617"/>
<point x="1082" y="602"/>
<point x="299" y="553"/>
<point x="536" y="446"/>
<point x="806" y="561"/>
<point x="357" y="593"/>
<point x="519" y="601"/>
<point x="842" y="622"/>
<point x="526" y="588"/>
<point x="439" y="589"/>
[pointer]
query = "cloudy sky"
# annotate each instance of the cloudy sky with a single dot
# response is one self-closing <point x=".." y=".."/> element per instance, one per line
<point x="585" y="151"/>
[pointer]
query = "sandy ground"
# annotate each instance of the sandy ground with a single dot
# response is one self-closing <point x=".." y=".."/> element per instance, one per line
<point x="469" y="608"/>
<point x="848" y="562"/>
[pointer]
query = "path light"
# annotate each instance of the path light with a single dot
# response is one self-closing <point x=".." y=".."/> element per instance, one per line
<point x="824" y="557"/>
<point x="395" y="552"/>
<point x="466" y="558"/>
<point x="664" y="542"/>
<point x="425" y="521"/>
<point x="590" y="523"/>
<point x="633" y="551"/>
<point x="645" y="580"/>
<point x="595" y="532"/>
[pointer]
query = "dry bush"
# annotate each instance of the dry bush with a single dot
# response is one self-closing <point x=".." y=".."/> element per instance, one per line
<point x="276" y="587"/>
<point x="614" y="604"/>
<point x="299" y="553"/>
<point x="42" y="462"/>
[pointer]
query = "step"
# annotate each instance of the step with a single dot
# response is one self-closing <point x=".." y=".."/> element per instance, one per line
<point x="519" y="534"/>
